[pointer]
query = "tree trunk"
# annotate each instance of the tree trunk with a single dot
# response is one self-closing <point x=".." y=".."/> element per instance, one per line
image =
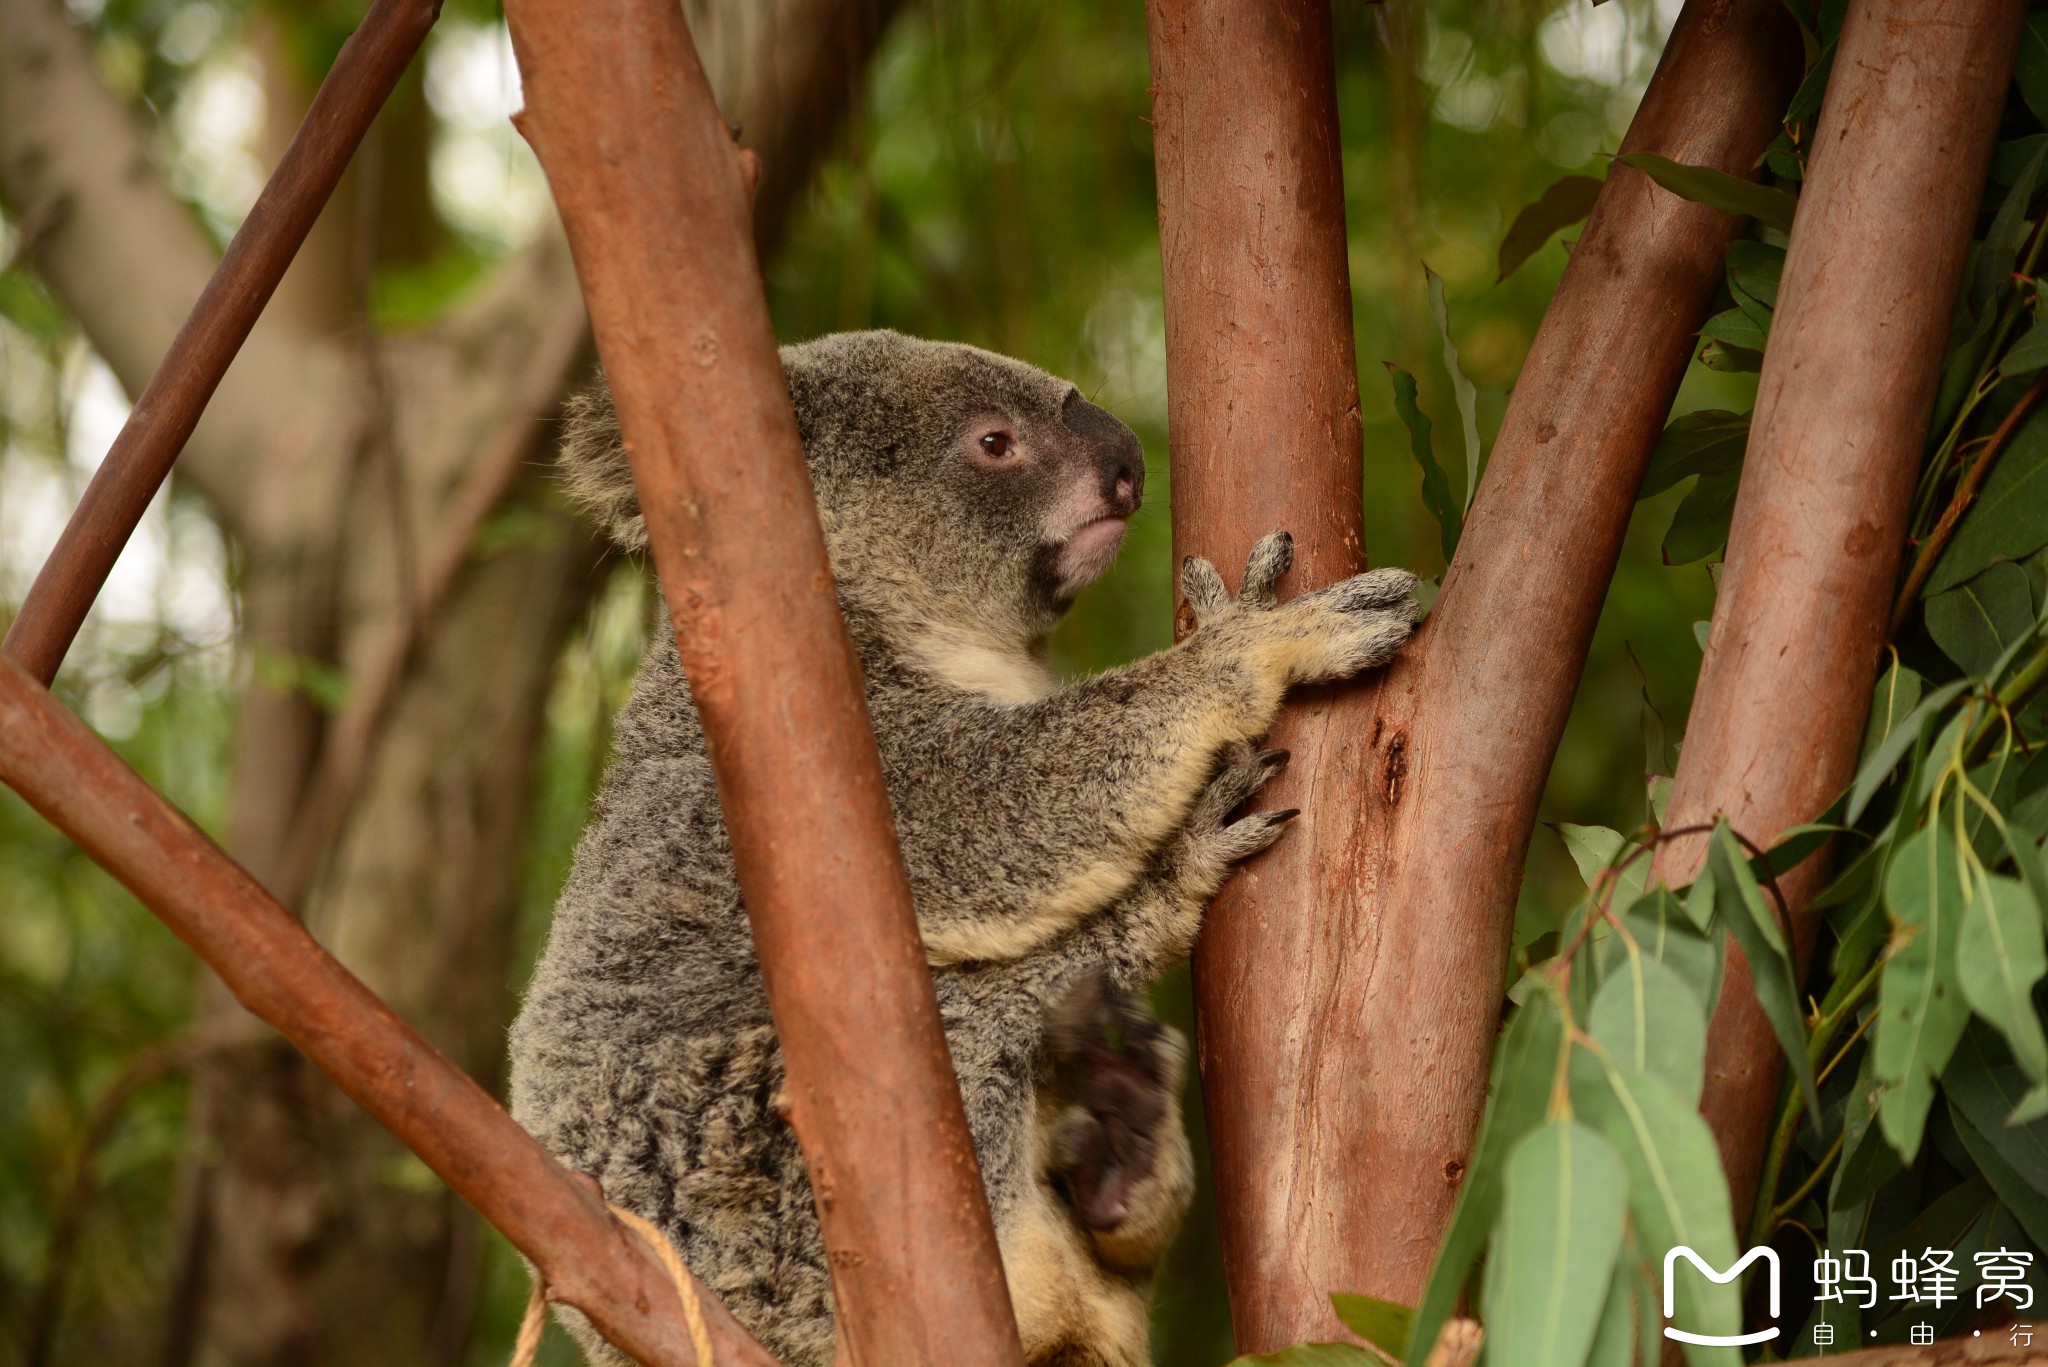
<point x="1877" y="251"/>
<point x="1349" y="981"/>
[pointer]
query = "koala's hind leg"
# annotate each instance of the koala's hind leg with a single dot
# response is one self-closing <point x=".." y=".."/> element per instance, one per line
<point x="1116" y="1148"/>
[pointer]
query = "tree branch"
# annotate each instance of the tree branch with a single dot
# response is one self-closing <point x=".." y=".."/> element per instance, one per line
<point x="125" y="257"/>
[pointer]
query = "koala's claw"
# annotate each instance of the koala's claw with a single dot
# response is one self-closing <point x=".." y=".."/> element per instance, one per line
<point x="1273" y="759"/>
<point x="1203" y="587"/>
<point x="1271" y="558"/>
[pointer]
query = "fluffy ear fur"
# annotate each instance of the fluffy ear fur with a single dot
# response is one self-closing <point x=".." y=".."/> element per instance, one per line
<point x="594" y="468"/>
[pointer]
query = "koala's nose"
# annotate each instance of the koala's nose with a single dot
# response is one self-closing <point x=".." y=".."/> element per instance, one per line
<point x="1119" y="459"/>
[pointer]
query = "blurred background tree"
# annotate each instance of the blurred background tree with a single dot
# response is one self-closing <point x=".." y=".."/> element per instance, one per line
<point x="171" y="1192"/>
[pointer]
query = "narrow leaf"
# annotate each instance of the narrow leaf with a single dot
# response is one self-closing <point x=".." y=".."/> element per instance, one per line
<point x="2009" y="520"/>
<point x="2030" y="67"/>
<point x="1898" y="692"/>
<point x="1567" y="201"/>
<point x="1383" y="1324"/>
<point x="1974" y="622"/>
<point x="1312" y="1355"/>
<point x="1766" y="204"/>
<point x="1518" y="1095"/>
<point x="1699" y="529"/>
<point x="1892" y="749"/>
<point x="1754" y="924"/>
<point x="1999" y="958"/>
<point x="1651" y="1019"/>
<point x="1677" y="1194"/>
<point x="1554" y="1246"/>
<point x="1709" y="441"/>
<point x="1467" y="396"/>
<point x="1921" y="1010"/>
<point x="2030" y="352"/>
<point x="1436" y="486"/>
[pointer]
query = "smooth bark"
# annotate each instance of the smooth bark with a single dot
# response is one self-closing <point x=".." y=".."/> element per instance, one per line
<point x="1348" y="983"/>
<point x="1885" y="216"/>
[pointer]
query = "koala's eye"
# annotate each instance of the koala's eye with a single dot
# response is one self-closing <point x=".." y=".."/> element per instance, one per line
<point x="998" y="444"/>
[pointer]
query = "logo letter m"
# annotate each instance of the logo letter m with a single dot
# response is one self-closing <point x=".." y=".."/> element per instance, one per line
<point x="1770" y="1257"/>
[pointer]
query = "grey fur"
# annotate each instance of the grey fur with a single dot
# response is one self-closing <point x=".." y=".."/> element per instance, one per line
<point x="1050" y="830"/>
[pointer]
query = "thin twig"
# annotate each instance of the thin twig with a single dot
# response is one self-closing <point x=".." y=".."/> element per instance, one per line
<point x="1966" y="494"/>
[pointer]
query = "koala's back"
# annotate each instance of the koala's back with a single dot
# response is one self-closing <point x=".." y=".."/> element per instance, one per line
<point x="643" y="1054"/>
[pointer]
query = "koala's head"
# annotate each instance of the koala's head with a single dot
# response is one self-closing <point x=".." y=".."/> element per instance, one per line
<point x="954" y="484"/>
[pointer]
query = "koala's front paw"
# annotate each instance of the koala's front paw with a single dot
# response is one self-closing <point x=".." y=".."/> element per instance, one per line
<point x="1210" y="843"/>
<point x="1119" y="1070"/>
<point x="1319" y="637"/>
<point x="1352" y="625"/>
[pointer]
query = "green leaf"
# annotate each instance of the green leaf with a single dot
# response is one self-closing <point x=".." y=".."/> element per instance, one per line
<point x="1614" y="1335"/>
<point x="2009" y="520"/>
<point x="1436" y="486"/>
<point x="1806" y="100"/>
<point x="1383" y="1324"/>
<point x="1734" y="328"/>
<point x="1312" y="1355"/>
<point x="2030" y="66"/>
<point x="2002" y="240"/>
<point x="1665" y="932"/>
<point x="1999" y="958"/>
<point x="1898" y="692"/>
<point x="1743" y="912"/>
<point x="1595" y="849"/>
<point x="1650" y="1019"/>
<point x="1755" y="268"/>
<point x="1707" y="442"/>
<point x="1567" y="201"/>
<point x="1975" y="622"/>
<point x="1461" y="388"/>
<point x="2010" y="158"/>
<point x="1921" y="1010"/>
<point x="1729" y="360"/>
<point x="1766" y="204"/>
<point x="1677" y="1193"/>
<point x="1867" y="1161"/>
<point x="1554" y="1246"/>
<point x="2028" y="1206"/>
<point x="1892" y="749"/>
<point x="1518" y="1096"/>
<point x="2030" y="352"/>
<point x="1699" y="528"/>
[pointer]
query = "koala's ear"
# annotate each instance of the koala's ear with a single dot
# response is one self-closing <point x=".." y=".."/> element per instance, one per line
<point x="594" y="467"/>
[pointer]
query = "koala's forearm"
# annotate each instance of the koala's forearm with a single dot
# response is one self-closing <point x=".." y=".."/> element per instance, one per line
<point x="1019" y="820"/>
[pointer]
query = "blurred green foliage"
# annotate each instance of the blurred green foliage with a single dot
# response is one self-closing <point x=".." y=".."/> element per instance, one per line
<point x="994" y="185"/>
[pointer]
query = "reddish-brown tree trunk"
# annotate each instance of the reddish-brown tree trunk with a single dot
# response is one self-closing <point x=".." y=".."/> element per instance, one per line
<point x="1885" y="216"/>
<point x="656" y="200"/>
<point x="1348" y="982"/>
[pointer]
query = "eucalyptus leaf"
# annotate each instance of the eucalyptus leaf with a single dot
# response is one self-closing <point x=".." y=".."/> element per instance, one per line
<point x="2009" y="520"/>
<point x="1709" y="441"/>
<point x="1554" y="1246"/>
<point x="1699" y="529"/>
<point x="1730" y="360"/>
<point x="2030" y="352"/>
<point x="1999" y="958"/>
<point x="1461" y="387"/>
<point x="1755" y="269"/>
<point x="1999" y="250"/>
<point x="1518" y="1096"/>
<point x="1614" y="1334"/>
<point x="1878" y="767"/>
<point x="2029" y="1207"/>
<point x="1735" y="328"/>
<point x="1383" y="1324"/>
<point x="1647" y="1016"/>
<point x="1921" y="1008"/>
<point x="2030" y="65"/>
<point x="1567" y="200"/>
<point x="1594" y="849"/>
<point x="1677" y="1194"/>
<point x="1993" y="1093"/>
<point x="1436" y="486"/>
<point x="1974" y="622"/>
<point x="1766" y="204"/>
<point x="1868" y="1162"/>
<point x="1898" y="692"/>
<point x="1740" y="903"/>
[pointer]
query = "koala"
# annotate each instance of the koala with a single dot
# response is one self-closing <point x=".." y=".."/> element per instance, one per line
<point x="1062" y="840"/>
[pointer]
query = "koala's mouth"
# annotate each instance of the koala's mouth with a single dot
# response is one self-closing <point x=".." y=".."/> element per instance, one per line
<point x="1089" y="551"/>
